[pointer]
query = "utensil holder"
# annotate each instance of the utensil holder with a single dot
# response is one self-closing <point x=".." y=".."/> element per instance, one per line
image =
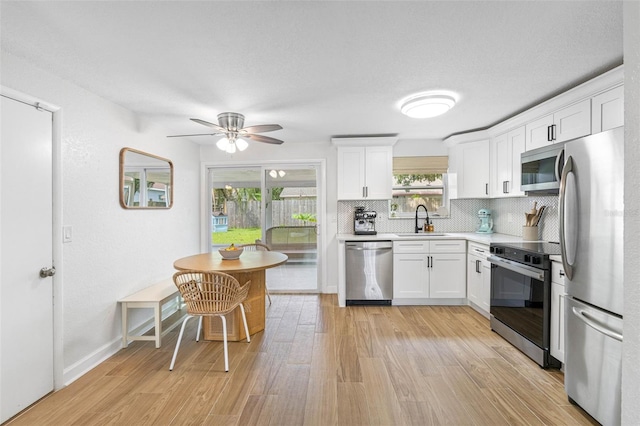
<point x="530" y="233"/>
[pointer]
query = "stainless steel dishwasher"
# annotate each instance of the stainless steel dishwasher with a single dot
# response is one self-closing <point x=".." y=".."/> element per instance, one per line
<point x="369" y="273"/>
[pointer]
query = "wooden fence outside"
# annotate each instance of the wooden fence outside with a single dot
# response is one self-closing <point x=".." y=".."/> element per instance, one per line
<point x="246" y="214"/>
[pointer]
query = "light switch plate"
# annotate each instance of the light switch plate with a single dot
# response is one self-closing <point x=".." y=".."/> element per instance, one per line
<point x="66" y="234"/>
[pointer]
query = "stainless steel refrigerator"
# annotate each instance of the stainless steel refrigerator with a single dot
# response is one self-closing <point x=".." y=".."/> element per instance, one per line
<point x="591" y="238"/>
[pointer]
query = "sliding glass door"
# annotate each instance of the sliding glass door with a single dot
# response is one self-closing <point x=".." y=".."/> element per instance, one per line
<point x="277" y="205"/>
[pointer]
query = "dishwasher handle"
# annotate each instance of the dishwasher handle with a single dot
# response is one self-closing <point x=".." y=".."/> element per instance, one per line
<point x="368" y="249"/>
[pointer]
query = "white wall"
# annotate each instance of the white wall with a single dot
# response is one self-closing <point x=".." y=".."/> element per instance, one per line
<point x="631" y="345"/>
<point x="114" y="252"/>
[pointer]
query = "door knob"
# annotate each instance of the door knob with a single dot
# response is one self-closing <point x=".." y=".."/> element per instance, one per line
<point x="47" y="272"/>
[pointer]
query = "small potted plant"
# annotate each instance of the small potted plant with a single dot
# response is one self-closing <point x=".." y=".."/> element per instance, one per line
<point x="394" y="208"/>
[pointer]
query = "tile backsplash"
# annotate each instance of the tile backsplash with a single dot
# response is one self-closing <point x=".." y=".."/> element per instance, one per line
<point x="508" y="216"/>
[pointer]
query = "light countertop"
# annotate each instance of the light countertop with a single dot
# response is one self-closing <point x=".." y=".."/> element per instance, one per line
<point x="469" y="236"/>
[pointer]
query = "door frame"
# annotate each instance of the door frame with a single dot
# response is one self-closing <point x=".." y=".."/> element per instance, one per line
<point x="321" y="184"/>
<point x="56" y="159"/>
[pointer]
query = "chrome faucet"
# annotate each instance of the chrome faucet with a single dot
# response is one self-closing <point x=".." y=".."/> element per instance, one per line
<point x="426" y="211"/>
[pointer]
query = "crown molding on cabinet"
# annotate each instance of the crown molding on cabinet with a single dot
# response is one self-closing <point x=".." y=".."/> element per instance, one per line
<point x="586" y="90"/>
<point x="466" y="137"/>
<point x="365" y="140"/>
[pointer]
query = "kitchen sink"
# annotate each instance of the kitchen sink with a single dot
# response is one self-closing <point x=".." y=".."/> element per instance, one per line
<point x="421" y="235"/>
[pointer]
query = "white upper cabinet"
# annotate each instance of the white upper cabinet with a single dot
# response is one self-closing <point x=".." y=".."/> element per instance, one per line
<point x="365" y="172"/>
<point x="607" y="110"/>
<point x="505" y="163"/>
<point x="567" y="123"/>
<point x="470" y="166"/>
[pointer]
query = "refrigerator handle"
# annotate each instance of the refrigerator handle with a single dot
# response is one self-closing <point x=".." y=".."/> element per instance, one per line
<point x="568" y="168"/>
<point x="595" y="324"/>
<point x="559" y="165"/>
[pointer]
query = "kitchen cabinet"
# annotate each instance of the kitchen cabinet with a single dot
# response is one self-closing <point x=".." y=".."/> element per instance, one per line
<point x="429" y="269"/>
<point x="607" y="110"/>
<point x="557" y="311"/>
<point x="505" y="163"/>
<point x="567" y="123"/>
<point x="479" y="278"/>
<point x="365" y="173"/>
<point x="470" y="164"/>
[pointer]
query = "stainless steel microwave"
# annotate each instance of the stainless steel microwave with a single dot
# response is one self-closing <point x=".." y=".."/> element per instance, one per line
<point x="542" y="168"/>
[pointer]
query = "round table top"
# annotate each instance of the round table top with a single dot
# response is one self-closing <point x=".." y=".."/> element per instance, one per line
<point x="249" y="261"/>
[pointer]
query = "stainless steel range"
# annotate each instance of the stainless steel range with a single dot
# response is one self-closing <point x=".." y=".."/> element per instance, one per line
<point x="521" y="297"/>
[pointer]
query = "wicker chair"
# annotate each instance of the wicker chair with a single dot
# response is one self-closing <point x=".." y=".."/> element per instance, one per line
<point x="256" y="247"/>
<point x="210" y="294"/>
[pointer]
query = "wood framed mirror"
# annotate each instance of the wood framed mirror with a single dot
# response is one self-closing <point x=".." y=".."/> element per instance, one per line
<point x="146" y="180"/>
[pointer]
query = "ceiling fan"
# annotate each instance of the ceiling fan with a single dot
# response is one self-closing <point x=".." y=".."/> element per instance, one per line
<point x="230" y="125"/>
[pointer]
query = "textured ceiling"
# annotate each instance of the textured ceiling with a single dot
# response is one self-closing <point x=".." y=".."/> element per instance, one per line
<point x="319" y="69"/>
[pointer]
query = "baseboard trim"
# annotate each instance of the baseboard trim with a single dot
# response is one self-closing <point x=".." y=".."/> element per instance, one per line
<point x="103" y="353"/>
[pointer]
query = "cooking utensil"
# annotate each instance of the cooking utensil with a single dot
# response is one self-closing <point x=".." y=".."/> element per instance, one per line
<point x="539" y="215"/>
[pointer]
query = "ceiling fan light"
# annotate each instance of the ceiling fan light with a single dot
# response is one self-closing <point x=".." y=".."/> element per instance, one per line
<point x="231" y="148"/>
<point x="241" y="144"/>
<point x="273" y="174"/>
<point x="281" y="173"/>
<point x="223" y="144"/>
<point x="427" y="105"/>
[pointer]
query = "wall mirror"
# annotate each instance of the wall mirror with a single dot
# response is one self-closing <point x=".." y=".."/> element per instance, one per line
<point x="146" y="180"/>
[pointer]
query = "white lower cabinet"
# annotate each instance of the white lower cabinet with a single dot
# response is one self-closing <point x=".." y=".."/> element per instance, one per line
<point x="557" y="311"/>
<point x="479" y="278"/>
<point x="429" y="269"/>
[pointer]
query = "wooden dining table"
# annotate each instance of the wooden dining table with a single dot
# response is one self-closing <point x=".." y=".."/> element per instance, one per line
<point x="251" y="265"/>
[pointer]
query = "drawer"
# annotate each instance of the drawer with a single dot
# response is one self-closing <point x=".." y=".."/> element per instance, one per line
<point x="478" y="250"/>
<point x="447" y="246"/>
<point x="412" y="246"/>
<point x="557" y="273"/>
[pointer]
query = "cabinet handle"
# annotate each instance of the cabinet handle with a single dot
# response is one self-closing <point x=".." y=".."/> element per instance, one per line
<point x="562" y="273"/>
<point x="553" y="132"/>
<point x="486" y="188"/>
<point x="549" y="133"/>
<point x="477" y="266"/>
<point x="364" y="194"/>
<point x="366" y="191"/>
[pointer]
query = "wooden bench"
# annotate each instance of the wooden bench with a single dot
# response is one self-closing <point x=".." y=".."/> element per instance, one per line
<point x="153" y="297"/>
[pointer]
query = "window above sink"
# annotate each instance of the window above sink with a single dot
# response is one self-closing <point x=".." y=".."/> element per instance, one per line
<point x="419" y="180"/>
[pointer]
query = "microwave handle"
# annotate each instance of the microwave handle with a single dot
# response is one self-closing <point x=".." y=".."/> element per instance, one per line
<point x="559" y="165"/>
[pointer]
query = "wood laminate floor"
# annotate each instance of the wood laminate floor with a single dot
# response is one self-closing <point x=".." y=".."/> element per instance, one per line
<point x="318" y="364"/>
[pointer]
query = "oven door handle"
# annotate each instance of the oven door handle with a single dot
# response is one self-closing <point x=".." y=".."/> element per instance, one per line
<point x="529" y="271"/>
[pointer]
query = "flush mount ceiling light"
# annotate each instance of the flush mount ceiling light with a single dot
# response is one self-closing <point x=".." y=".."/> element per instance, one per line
<point x="426" y="105"/>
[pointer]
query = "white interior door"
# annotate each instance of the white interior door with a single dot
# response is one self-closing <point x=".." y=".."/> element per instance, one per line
<point x="26" y="299"/>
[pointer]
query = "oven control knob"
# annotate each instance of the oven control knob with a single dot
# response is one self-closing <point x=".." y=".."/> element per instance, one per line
<point x="499" y="250"/>
<point x="536" y="260"/>
<point x="527" y="258"/>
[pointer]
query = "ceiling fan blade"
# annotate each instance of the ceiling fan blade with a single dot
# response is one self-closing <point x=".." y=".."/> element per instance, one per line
<point x="260" y="138"/>
<point x="197" y="134"/>
<point x="206" y="123"/>
<point x="261" y="128"/>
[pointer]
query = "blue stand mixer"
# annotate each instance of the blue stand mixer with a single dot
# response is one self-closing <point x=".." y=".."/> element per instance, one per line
<point x="486" y="223"/>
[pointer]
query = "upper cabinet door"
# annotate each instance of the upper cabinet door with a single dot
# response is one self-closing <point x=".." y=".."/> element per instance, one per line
<point x="379" y="172"/>
<point x="517" y="145"/>
<point x="572" y="122"/>
<point x="351" y="173"/>
<point x="607" y="110"/>
<point x="500" y="164"/>
<point x="505" y="163"/>
<point x="473" y="178"/>
<point x="365" y="173"/>
<point x="568" y="123"/>
<point x="538" y="133"/>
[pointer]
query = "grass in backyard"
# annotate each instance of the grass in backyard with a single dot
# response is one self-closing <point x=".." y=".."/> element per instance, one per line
<point x="236" y="236"/>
